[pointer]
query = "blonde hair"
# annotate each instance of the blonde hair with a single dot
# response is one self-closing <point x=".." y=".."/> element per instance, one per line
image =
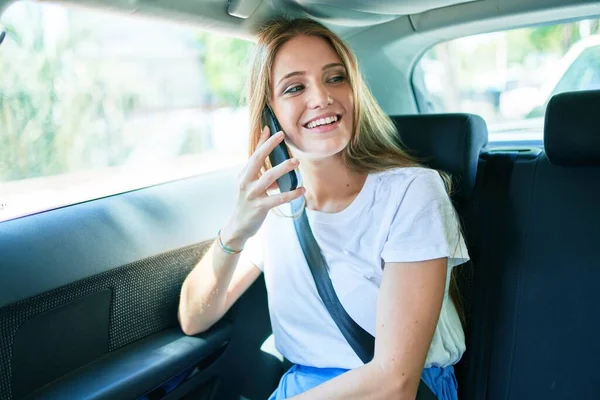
<point x="375" y="144"/>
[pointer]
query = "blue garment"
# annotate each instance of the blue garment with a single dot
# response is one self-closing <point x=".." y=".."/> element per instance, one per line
<point x="299" y="378"/>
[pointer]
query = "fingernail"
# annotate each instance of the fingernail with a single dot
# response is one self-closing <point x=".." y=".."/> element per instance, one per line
<point x="280" y="134"/>
<point x="295" y="161"/>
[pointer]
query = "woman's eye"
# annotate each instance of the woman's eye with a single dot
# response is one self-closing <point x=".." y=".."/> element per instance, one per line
<point x="293" y="89"/>
<point x="337" y="79"/>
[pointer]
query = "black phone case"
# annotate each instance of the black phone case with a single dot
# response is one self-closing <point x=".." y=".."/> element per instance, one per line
<point x="280" y="153"/>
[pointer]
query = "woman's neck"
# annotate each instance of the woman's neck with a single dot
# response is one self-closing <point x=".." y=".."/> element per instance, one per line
<point x="330" y="185"/>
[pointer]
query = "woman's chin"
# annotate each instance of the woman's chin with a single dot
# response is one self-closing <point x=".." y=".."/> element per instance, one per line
<point x="321" y="155"/>
<point x="320" y="151"/>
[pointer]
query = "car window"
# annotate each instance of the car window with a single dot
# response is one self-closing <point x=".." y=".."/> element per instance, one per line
<point x="508" y="77"/>
<point x="583" y="74"/>
<point x="94" y="103"/>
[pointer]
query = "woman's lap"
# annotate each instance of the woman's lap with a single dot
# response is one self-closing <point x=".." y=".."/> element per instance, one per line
<point x="442" y="382"/>
<point x="299" y="378"/>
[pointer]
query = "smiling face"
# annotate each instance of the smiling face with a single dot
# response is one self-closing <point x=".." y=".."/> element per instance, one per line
<point x="312" y="98"/>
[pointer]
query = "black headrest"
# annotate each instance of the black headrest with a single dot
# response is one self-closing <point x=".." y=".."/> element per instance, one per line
<point x="447" y="142"/>
<point x="572" y="128"/>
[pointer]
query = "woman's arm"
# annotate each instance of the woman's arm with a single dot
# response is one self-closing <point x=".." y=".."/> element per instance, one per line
<point x="212" y="287"/>
<point x="409" y="304"/>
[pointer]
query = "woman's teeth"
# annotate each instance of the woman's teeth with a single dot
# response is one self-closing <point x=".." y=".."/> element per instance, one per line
<point x="322" y="121"/>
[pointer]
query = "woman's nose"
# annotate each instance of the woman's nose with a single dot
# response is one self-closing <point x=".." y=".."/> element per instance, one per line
<point x="320" y="97"/>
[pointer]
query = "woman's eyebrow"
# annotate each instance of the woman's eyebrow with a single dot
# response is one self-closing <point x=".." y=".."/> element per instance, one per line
<point x="296" y="73"/>
<point x="333" y="65"/>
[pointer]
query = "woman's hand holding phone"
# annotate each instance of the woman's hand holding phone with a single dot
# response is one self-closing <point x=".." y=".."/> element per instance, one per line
<point x="253" y="202"/>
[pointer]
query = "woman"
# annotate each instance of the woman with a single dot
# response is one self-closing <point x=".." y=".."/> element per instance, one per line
<point x="385" y="226"/>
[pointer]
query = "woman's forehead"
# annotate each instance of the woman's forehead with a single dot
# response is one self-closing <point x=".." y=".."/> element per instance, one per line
<point x="303" y="54"/>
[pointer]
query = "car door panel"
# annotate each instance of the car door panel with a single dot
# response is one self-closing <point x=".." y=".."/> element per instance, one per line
<point x="139" y="367"/>
<point x="89" y="295"/>
<point x="62" y="246"/>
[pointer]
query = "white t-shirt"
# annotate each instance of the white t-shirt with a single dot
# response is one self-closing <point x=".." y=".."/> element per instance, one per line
<point x="400" y="215"/>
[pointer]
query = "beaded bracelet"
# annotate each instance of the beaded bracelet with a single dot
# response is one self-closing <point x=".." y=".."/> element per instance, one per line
<point x="226" y="249"/>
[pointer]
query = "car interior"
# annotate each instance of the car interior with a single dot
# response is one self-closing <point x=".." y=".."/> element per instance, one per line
<point x="89" y="291"/>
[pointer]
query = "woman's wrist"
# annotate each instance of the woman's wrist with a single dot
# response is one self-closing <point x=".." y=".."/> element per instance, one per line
<point x="230" y="240"/>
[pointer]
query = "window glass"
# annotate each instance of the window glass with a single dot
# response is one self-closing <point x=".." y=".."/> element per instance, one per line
<point x="508" y="77"/>
<point x="583" y="74"/>
<point x="94" y="103"/>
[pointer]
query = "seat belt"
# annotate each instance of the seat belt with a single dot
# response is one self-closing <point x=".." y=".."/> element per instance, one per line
<point x="494" y="196"/>
<point x="361" y="341"/>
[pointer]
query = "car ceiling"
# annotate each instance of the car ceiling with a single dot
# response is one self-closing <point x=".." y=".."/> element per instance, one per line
<point x="347" y="17"/>
<point x="243" y="17"/>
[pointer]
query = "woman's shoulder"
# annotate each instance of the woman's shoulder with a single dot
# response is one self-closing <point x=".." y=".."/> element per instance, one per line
<point x="409" y="178"/>
<point x="410" y="187"/>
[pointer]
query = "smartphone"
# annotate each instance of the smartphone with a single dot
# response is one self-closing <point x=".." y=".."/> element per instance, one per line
<point x="289" y="181"/>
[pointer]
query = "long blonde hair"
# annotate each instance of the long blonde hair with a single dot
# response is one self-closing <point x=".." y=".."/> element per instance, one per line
<point x="375" y="145"/>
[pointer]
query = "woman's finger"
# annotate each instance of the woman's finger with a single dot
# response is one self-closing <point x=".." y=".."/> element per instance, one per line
<point x="282" y="198"/>
<point x="257" y="159"/>
<point x="270" y="177"/>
